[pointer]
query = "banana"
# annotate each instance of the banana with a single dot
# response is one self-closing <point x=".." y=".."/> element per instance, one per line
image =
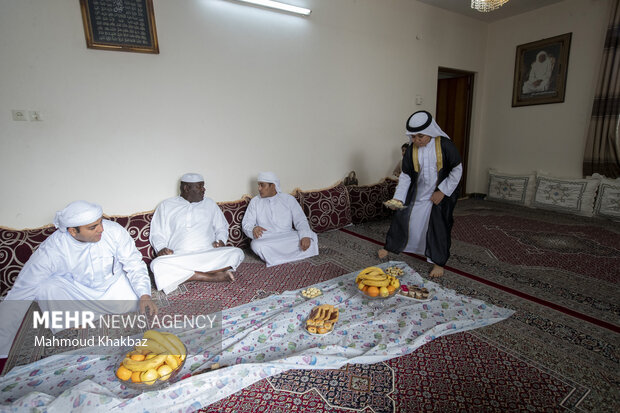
<point x="178" y="344"/>
<point x="368" y="270"/>
<point x="376" y="277"/>
<point x="374" y="283"/>
<point x="162" y="340"/>
<point x="145" y="364"/>
<point x="154" y="346"/>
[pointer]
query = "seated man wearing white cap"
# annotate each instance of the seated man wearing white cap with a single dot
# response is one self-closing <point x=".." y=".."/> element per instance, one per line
<point x="89" y="259"/>
<point x="269" y="221"/>
<point x="427" y="192"/>
<point x="188" y="233"/>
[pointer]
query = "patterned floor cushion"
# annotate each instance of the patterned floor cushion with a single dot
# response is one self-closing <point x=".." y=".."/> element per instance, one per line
<point x="367" y="201"/>
<point x="16" y="247"/>
<point x="234" y="212"/>
<point x="328" y="208"/>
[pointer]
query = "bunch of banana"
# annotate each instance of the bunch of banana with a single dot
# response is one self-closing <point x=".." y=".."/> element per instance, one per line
<point x="161" y="354"/>
<point x="372" y="276"/>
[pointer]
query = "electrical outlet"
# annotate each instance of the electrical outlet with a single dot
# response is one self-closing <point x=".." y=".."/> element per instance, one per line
<point x="35" y="116"/>
<point x="19" y="114"/>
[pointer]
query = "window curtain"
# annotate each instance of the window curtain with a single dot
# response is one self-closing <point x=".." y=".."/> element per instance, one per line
<point x="602" y="153"/>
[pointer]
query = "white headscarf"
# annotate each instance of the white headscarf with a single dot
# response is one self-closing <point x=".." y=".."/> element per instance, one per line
<point x="422" y="122"/>
<point x="192" y="177"/>
<point x="270" y="178"/>
<point x="76" y="214"/>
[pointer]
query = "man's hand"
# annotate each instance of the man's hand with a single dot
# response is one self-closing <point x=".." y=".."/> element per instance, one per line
<point x="304" y="243"/>
<point x="218" y="243"/>
<point x="147" y="303"/>
<point x="258" y="232"/>
<point x="165" y="251"/>
<point x="437" y="197"/>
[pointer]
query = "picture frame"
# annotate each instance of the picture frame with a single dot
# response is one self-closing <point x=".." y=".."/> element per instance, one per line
<point x="121" y="25"/>
<point x="541" y="71"/>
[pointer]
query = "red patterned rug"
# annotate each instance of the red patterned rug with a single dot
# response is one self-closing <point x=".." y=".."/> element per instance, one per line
<point x="460" y="372"/>
<point x="583" y="249"/>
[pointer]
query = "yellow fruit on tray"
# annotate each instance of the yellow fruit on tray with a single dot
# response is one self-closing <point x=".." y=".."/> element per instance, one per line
<point x="383" y="292"/>
<point x="391" y="289"/>
<point x="164" y="371"/>
<point x="149" y="376"/>
<point x="137" y="357"/>
<point x="123" y="373"/>
<point x="149" y="356"/>
<point x="361" y="285"/>
<point x="135" y="376"/>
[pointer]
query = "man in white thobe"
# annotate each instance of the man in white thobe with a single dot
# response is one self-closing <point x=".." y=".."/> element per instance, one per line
<point x="189" y="233"/>
<point x="427" y="192"/>
<point x="89" y="259"/>
<point x="539" y="77"/>
<point x="277" y="225"/>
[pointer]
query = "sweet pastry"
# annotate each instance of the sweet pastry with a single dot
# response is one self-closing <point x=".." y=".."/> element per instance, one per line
<point x="322" y="319"/>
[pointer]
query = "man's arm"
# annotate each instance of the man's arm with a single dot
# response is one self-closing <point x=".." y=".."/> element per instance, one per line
<point x="159" y="234"/>
<point x="300" y="221"/>
<point x="249" y="219"/>
<point x="220" y="225"/>
<point x="134" y="267"/>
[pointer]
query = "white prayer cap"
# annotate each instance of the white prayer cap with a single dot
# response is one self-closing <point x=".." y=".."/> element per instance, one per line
<point x="422" y="122"/>
<point x="270" y="178"/>
<point x="76" y="214"/>
<point x="191" y="178"/>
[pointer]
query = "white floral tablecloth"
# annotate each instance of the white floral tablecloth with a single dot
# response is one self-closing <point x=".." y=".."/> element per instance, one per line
<point x="258" y="339"/>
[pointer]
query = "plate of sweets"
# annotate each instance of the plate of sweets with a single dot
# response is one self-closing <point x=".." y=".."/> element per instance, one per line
<point x="394" y="204"/>
<point x="374" y="283"/>
<point x="322" y="320"/>
<point x="311" y="292"/>
<point x="417" y="293"/>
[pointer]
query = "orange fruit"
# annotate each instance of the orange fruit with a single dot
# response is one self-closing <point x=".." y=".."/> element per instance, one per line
<point x="135" y="376"/>
<point x="365" y="289"/>
<point x="391" y="289"/>
<point x="123" y="373"/>
<point x="372" y="291"/>
<point x="137" y="357"/>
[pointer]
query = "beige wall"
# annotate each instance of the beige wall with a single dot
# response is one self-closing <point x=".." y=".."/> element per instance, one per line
<point x="549" y="138"/>
<point x="238" y="89"/>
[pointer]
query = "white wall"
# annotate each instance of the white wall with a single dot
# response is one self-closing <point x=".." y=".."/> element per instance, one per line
<point x="549" y="138"/>
<point x="234" y="90"/>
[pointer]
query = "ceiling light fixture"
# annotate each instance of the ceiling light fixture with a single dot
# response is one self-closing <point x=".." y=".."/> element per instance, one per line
<point x="280" y="6"/>
<point x="487" y="5"/>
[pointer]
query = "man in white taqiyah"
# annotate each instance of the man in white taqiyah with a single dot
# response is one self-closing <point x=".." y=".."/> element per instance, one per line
<point x="89" y="259"/>
<point x="277" y="225"/>
<point x="189" y="233"/>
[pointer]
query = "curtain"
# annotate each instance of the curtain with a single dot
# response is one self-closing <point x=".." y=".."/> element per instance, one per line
<point x="602" y="153"/>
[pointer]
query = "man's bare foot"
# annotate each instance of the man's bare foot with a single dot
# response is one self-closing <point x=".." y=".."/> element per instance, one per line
<point x="382" y="253"/>
<point x="437" y="271"/>
<point x="217" y="276"/>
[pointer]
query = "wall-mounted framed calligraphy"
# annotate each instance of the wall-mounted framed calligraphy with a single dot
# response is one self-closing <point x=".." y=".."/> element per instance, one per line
<point x="125" y="25"/>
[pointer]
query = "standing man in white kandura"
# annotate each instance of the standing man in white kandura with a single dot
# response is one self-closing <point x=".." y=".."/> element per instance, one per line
<point x="189" y="234"/>
<point x="277" y="225"/>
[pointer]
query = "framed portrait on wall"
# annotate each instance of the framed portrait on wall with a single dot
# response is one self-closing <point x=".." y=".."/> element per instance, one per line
<point x="540" y="71"/>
